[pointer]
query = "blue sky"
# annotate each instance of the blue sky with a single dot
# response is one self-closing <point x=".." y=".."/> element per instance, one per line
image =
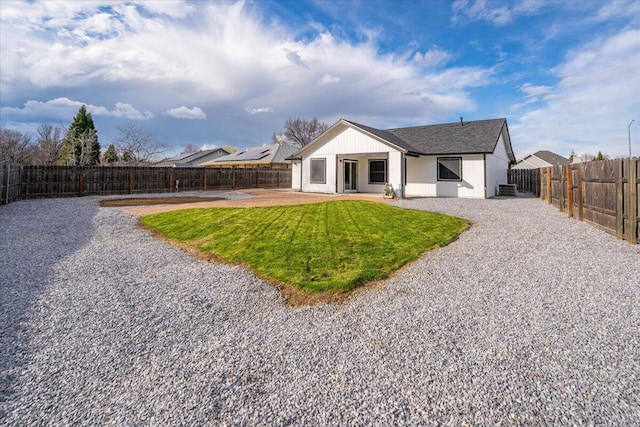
<point x="564" y="74"/>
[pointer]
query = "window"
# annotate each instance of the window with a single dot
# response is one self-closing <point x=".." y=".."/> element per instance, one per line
<point x="318" y="171"/>
<point x="450" y="169"/>
<point x="377" y="171"/>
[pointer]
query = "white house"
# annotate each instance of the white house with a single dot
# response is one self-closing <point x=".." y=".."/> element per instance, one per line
<point x="541" y="159"/>
<point x="266" y="156"/>
<point x="462" y="159"/>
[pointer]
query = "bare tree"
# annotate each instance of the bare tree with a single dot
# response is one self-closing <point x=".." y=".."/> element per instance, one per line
<point x="15" y="147"/>
<point x="586" y="157"/>
<point x="86" y="144"/>
<point x="300" y="132"/>
<point x="137" y="146"/>
<point x="49" y="143"/>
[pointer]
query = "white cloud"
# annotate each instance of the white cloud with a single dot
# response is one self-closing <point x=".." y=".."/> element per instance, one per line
<point x="64" y="108"/>
<point x="328" y="79"/>
<point x="259" y="110"/>
<point x="432" y="57"/>
<point x="172" y="8"/>
<point x="532" y="94"/>
<point x="588" y="110"/>
<point x="222" y="57"/>
<point x="184" y="112"/>
<point x="496" y="12"/>
<point x="620" y="8"/>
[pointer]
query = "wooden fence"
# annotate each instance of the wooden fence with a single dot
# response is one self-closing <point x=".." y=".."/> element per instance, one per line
<point x="526" y="180"/>
<point x="603" y="193"/>
<point x="30" y="182"/>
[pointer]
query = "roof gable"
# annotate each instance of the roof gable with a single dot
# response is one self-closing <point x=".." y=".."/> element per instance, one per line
<point x="380" y="135"/>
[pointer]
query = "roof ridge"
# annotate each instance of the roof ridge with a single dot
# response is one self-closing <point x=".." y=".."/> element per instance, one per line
<point x="446" y="124"/>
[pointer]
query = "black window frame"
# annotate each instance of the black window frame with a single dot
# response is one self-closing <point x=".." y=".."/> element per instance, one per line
<point x="324" y="170"/>
<point x="385" y="171"/>
<point x="440" y="166"/>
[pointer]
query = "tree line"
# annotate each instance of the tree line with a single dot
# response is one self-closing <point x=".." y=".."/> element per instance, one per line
<point x="134" y="145"/>
<point x="78" y="145"/>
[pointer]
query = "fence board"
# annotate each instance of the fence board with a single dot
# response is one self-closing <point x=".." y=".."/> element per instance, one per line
<point x="602" y="193"/>
<point x="28" y="182"/>
<point x="526" y="180"/>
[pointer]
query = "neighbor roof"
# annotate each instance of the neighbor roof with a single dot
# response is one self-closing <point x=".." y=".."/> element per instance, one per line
<point x="186" y="159"/>
<point x="265" y="154"/>
<point x="552" y="158"/>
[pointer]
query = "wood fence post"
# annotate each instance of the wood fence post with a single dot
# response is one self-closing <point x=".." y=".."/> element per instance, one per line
<point x="277" y="179"/>
<point x="561" y="189"/>
<point x="549" y="185"/>
<point x="580" y="192"/>
<point x="80" y="183"/>
<point x="233" y="179"/>
<point x="171" y="180"/>
<point x="619" y="198"/>
<point x="204" y="179"/>
<point x="130" y="181"/>
<point x="632" y="205"/>
<point x="569" y="191"/>
<point x="6" y="184"/>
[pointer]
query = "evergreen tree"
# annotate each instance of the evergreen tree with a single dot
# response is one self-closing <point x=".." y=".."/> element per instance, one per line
<point x="111" y="155"/>
<point x="81" y="146"/>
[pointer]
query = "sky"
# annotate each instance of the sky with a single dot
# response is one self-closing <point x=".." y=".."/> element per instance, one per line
<point x="565" y="74"/>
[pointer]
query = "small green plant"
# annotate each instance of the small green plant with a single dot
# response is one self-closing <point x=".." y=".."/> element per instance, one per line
<point x="331" y="246"/>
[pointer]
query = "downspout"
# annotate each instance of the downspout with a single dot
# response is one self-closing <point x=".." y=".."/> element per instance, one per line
<point x="403" y="175"/>
<point x="337" y="170"/>
<point x="484" y="158"/>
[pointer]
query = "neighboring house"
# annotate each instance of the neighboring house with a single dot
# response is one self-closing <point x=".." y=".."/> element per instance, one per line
<point x="541" y="159"/>
<point x="266" y="156"/>
<point x="462" y="159"/>
<point x="193" y="159"/>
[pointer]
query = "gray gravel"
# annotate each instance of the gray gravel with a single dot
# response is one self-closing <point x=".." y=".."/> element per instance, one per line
<point x="530" y="318"/>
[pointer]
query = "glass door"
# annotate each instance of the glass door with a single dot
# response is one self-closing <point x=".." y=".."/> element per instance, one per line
<point x="350" y="175"/>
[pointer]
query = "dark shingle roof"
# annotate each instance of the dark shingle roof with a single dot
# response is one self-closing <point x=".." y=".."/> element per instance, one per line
<point x="479" y="136"/>
<point x="552" y="158"/>
<point x="473" y="137"/>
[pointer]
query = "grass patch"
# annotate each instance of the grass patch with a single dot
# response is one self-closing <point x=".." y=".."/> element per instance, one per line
<point x="332" y="246"/>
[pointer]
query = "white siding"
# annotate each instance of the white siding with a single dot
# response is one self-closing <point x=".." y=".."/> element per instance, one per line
<point x="351" y="144"/>
<point x="497" y="166"/>
<point x="422" y="178"/>
<point x="351" y="141"/>
<point x="330" y="175"/>
<point x="394" y="172"/>
<point x="295" y="175"/>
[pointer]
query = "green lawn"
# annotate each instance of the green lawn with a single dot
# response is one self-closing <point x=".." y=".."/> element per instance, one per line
<point x="331" y="246"/>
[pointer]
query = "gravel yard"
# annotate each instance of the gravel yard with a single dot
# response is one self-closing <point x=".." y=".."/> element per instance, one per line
<point x="529" y="318"/>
